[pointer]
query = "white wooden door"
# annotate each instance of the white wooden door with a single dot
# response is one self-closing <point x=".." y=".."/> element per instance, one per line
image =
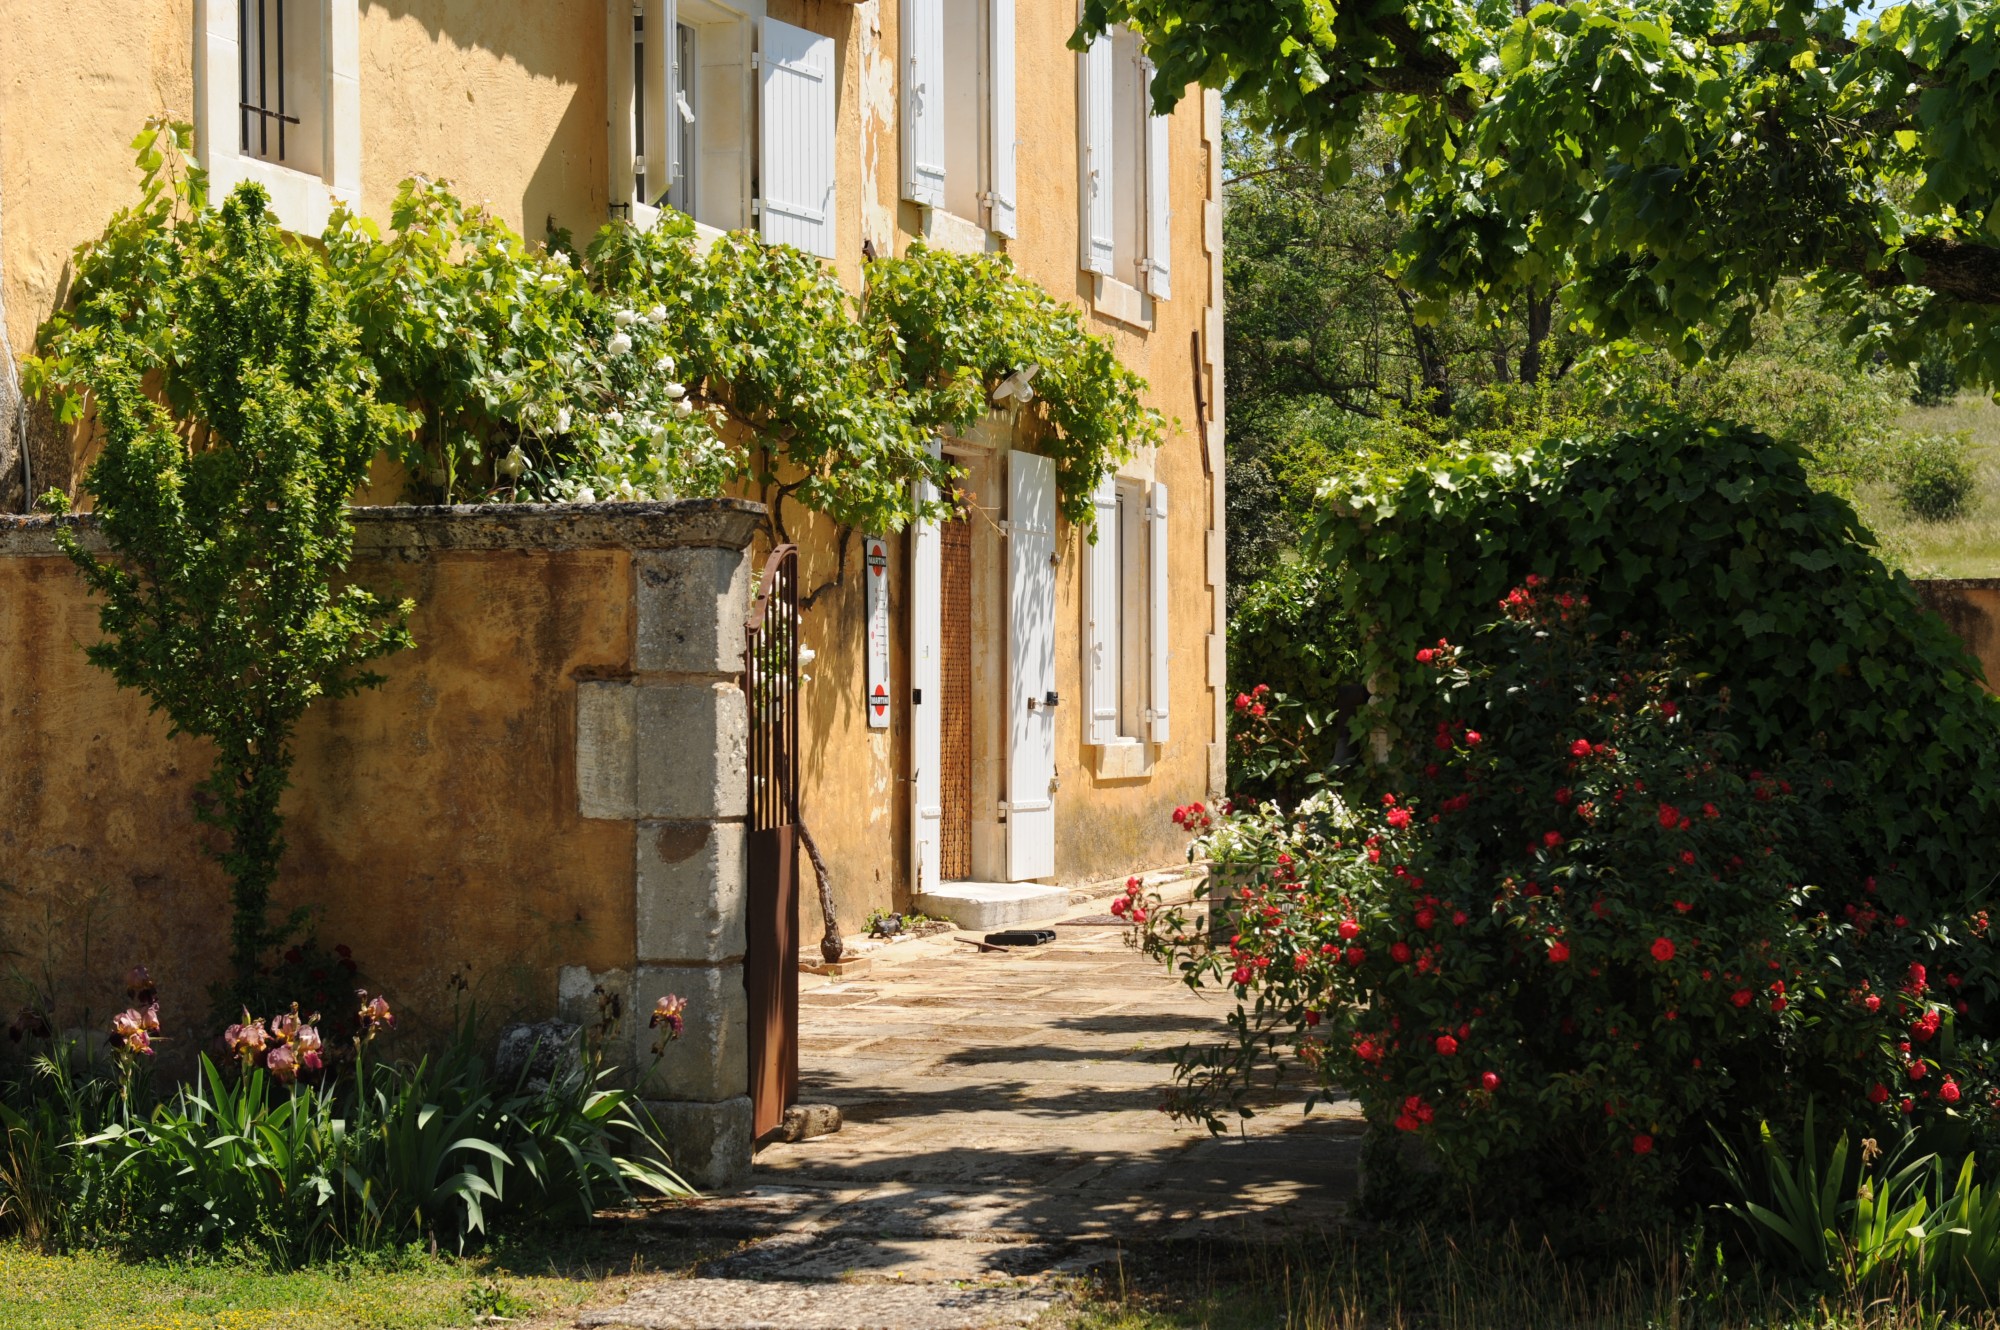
<point x="926" y="697"/>
<point x="1031" y="666"/>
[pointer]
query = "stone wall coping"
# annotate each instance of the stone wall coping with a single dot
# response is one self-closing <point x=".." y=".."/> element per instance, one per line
<point x="415" y="529"/>
<point x="1958" y="583"/>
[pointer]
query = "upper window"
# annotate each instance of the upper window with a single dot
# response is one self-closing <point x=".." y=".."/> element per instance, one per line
<point x="958" y="140"/>
<point x="1124" y="155"/>
<point x="724" y="115"/>
<point x="278" y="102"/>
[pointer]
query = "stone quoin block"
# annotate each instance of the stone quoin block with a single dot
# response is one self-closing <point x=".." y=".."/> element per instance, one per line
<point x="711" y="1059"/>
<point x="690" y="882"/>
<point x="710" y="1144"/>
<point x="606" y="770"/>
<point x="691" y="745"/>
<point x="691" y="604"/>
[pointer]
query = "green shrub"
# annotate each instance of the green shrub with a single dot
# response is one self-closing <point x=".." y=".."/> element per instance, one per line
<point x="1934" y="380"/>
<point x="295" y="1156"/>
<point x="1935" y="481"/>
<point x="1571" y="931"/>
<point x="1712" y="539"/>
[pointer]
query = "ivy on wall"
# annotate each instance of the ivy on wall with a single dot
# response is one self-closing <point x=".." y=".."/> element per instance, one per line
<point x="642" y="366"/>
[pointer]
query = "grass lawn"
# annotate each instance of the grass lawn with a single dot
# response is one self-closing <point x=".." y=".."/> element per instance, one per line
<point x="1969" y="547"/>
<point x="539" y="1280"/>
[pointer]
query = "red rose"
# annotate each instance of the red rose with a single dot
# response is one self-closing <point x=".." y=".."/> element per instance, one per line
<point x="1552" y="839"/>
<point x="1426" y="917"/>
<point x="1741" y="997"/>
<point x="1426" y="655"/>
<point x="1872" y="1002"/>
<point x="1918" y="1071"/>
<point x="1642" y="1144"/>
<point x="1663" y="949"/>
<point x="1399" y="952"/>
<point x="1670" y="816"/>
<point x="1581" y="748"/>
<point x="1349" y="930"/>
<point x="1472" y="738"/>
<point x="1356" y="955"/>
<point x="1669" y="710"/>
<point x="1399" y="818"/>
<point x="1446" y="1045"/>
<point x="1242" y="975"/>
<point x="1949" y="1091"/>
<point x="1312" y="1018"/>
<point x="1878" y="1093"/>
<point x="1558" y="951"/>
<point x="1489" y="1080"/>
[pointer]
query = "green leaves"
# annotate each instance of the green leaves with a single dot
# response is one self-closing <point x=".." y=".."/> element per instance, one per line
<point x="1671" y="162"/>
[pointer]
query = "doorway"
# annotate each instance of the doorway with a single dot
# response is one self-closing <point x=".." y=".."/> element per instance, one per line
<point x="955" y="694"/>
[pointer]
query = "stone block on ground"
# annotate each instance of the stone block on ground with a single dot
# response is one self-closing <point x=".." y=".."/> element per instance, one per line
<point x="708" y="1144"/>
<point x="981" y="907"/>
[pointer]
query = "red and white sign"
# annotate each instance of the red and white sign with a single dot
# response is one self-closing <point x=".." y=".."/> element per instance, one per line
<point x="875" y="567"/>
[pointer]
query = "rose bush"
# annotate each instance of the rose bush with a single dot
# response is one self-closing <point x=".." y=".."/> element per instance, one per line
<point x="1572" y="926"/>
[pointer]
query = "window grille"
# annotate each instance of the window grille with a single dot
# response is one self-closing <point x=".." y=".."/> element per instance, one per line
<point x="264" y="107"/>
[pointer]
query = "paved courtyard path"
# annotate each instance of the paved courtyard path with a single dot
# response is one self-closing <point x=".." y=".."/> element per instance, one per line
<point x="1001" y="1130"/>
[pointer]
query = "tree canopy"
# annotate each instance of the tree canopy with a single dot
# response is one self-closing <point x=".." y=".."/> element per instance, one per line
<point x="1669" y="163"/>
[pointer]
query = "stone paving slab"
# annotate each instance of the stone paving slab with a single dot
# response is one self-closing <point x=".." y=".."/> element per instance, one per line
<point x="1002" y="1126"/>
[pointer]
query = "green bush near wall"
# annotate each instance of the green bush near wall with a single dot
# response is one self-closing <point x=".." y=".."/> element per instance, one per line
<point x="1710" y="536"/>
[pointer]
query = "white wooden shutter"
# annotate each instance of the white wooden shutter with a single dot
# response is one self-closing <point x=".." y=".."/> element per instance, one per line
<point x="1031" y="666"/>
<point x="1097" y="126"/>
<point x="663" y="48"/>
<point x="923" y="102"/>
<point x="1158" y="644"/>
<point x="926" y="695"/>
<point x="1159" y="201"/>
<point x="618" y="98"/>
<point x="1100" y="619"/>
<point x="797" y="111"/>
<point x="1001" y="151"/>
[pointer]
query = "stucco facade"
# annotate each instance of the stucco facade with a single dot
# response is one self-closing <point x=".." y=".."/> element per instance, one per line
<point x="512" y="104"/>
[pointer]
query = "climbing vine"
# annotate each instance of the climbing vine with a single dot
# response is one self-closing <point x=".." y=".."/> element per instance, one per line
<point x="236" y="415"/>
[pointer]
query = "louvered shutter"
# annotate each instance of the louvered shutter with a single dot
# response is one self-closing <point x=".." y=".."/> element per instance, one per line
<point x="1097" y="124"/>
<point x="926" y="694"/>
<point x="1031" y="666"/>
<point x="1159" y="201"/>
<point x="797" y="112"/>
<point x="1000" y="216"/>
<point x="1158" y="600"/>
<point x="1100" y="619"/>
<point x="923" y="102"/>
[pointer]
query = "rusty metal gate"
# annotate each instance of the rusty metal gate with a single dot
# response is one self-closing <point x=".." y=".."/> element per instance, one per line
<point x="770" y="963"/>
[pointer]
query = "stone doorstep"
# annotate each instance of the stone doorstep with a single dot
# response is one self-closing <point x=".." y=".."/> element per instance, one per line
<point x="982" y="907"/>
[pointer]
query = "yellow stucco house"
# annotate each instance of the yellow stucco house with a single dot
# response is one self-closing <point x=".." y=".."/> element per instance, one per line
<point x="992" y="701"/>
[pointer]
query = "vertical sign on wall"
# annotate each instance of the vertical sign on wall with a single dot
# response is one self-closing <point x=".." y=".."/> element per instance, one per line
<point x="875" y="558"/>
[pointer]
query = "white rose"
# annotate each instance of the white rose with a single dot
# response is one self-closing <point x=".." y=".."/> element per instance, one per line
<point x="664" y="365"/>
<point x="684" y="408"/>
<point x="675" y="391"/>
<point x="562" y="421"/>
<point x="619" y="344"/>
<point x="586" y="495"/>
<point x="624" y="318"/>
<point x="657" y="314"/>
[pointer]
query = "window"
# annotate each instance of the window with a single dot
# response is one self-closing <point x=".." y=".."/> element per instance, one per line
<point x="1125" y="613"/>
<point x="958" y="140"/>
<point x="280" y="59"/>
<point x="278" y="102"/>
<point x="1124" y="157"/>
<point x="731" y="120"/>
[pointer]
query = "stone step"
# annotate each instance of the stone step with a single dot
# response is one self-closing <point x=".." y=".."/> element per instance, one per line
<point x="980" y="907"/>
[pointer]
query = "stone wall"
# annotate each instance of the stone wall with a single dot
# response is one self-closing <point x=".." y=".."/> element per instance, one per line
<point x="1971" y="606"/>
<point x="540" y="811"/>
